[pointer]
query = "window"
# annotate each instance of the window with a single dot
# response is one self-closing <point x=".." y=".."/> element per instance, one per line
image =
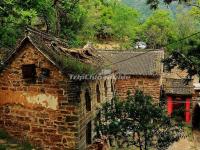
<point x="89" y="133"/>
<point x="29" y="71"/>
<point x="106" y="88"/>
<point x="140" y="82"/>
<point x="98" y="94"/>
<point x="87" y="100"/>
<point x="45" y="72"/>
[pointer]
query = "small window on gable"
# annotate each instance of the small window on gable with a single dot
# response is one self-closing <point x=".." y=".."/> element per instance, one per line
<point x="29" y="71"/>
<point x="105" y="88"/>
<point x="87" y="100"/>
<point x="98" y="94"/>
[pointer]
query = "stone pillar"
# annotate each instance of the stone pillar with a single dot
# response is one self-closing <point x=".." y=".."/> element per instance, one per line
<point x="187" y="110"/>
<point x="169" y="105"/>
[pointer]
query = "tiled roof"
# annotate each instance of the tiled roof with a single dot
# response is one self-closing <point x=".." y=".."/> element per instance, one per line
<point x="56" y="50"/>
<point x="178" y="87"/>
<point x="135" y="63"/>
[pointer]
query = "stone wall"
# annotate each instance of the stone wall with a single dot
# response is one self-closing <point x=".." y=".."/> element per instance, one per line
<point x="50" y="113"/>
<point x="90" y="116"/>
<point x="149" y="85"/>
<point x="44" y="112"/>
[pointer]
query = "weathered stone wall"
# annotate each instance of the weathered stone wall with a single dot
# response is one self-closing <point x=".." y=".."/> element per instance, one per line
<point x="87" y="116"/>
<point x="149" y="85"/>
<point x="46" y="112"/>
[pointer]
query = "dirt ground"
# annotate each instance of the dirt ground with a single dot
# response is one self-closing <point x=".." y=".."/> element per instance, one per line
<point x="190" y="143"/>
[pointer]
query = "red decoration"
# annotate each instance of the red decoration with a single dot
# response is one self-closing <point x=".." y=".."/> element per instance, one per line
<point x="187" y="111"/>
<point x="169" y="105"/>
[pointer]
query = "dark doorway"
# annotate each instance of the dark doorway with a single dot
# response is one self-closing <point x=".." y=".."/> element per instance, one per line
<point x="179" y="109"/>
<point x="89" y="133"/>
<point x="196" y="118"/>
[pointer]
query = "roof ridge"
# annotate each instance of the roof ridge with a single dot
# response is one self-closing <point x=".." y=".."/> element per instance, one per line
<point x="132" y="51"/>
<point x="47" y="36"/>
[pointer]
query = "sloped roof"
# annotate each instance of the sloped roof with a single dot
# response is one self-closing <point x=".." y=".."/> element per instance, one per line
<point x="145" y="63"/>
<point x="56" y="50"/>
<point x="178" y="87"/>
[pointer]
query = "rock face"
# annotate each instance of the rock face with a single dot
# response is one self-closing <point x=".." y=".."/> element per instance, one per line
<point x="49" y="112"/>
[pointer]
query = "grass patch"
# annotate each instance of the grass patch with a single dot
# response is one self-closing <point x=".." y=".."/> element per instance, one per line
<point x="2" y="147"/>
<point x="25" y="145"/>
<point x="4" y="134"/>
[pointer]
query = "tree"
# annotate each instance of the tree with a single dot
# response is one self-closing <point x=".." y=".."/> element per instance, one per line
<point x="158" y="30"/>
<point x="154" y="3"/>
<point x="195" y="11"/>
<point x="12" y="18"/>
<point x="138" y="121"/>
<point x="109" y="21"/>
<point x="186" y="58"/>
<point x="63" y="17"/>
<point x="74" y="20"/>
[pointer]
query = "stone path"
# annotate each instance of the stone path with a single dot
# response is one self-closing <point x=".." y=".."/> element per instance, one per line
<point x="182" y="144"/>
<point x="187" y="144"/>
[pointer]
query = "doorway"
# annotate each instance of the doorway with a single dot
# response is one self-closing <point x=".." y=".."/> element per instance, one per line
<point x="89" y="133"/>
<point x="196" y="118"/>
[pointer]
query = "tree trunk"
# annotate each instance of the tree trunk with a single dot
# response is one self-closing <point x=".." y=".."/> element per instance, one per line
<point x="139" y="139"/>
<point x="145" y="139"/>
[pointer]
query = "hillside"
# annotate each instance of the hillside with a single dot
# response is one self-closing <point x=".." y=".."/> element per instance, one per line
<point x="144" y="9"/>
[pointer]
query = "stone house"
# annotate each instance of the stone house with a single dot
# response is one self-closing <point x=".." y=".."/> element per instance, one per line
<point x="180" y="92"/>
<point x="144" y="70"/>
<point x="136" y="70"/>
<point x="39" y="101"/>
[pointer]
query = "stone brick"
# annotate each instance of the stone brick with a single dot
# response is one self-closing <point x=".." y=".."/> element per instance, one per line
<point x="36" y="129"/>
<point x="71" y="118"/>
<point x="149" y="85"/>
<point x="53" y="131"/>
<point x="56" y="138"/>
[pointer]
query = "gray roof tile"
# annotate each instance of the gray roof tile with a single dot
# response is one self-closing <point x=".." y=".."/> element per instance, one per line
<point x="135" y="63"/>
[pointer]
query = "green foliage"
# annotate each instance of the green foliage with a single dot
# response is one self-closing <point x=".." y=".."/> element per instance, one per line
<point x="72" y="65"/>
<point x="3" y="134"/>
<point x="109" y="21"/>
<point x="185" y="25"/>
<point x="90" y="20"/>
<point x="185" y="54"/>
<point x="139" y="122"/>
<point x="77" y="21"/>
<point x="2" y="147"/>
<point x="154" y="3"/>
<point x="15" y="15"/>
<point x="158" y="30"/>
<point x="195" y="11"/>
<point x="26" y="145"/>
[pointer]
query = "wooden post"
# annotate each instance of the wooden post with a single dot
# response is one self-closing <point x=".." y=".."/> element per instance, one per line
<point x="169" y="105"/>
<point x="187" y="110"/>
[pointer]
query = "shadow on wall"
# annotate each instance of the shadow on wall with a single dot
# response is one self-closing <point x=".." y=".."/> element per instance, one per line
<point x="196" y="118"/>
